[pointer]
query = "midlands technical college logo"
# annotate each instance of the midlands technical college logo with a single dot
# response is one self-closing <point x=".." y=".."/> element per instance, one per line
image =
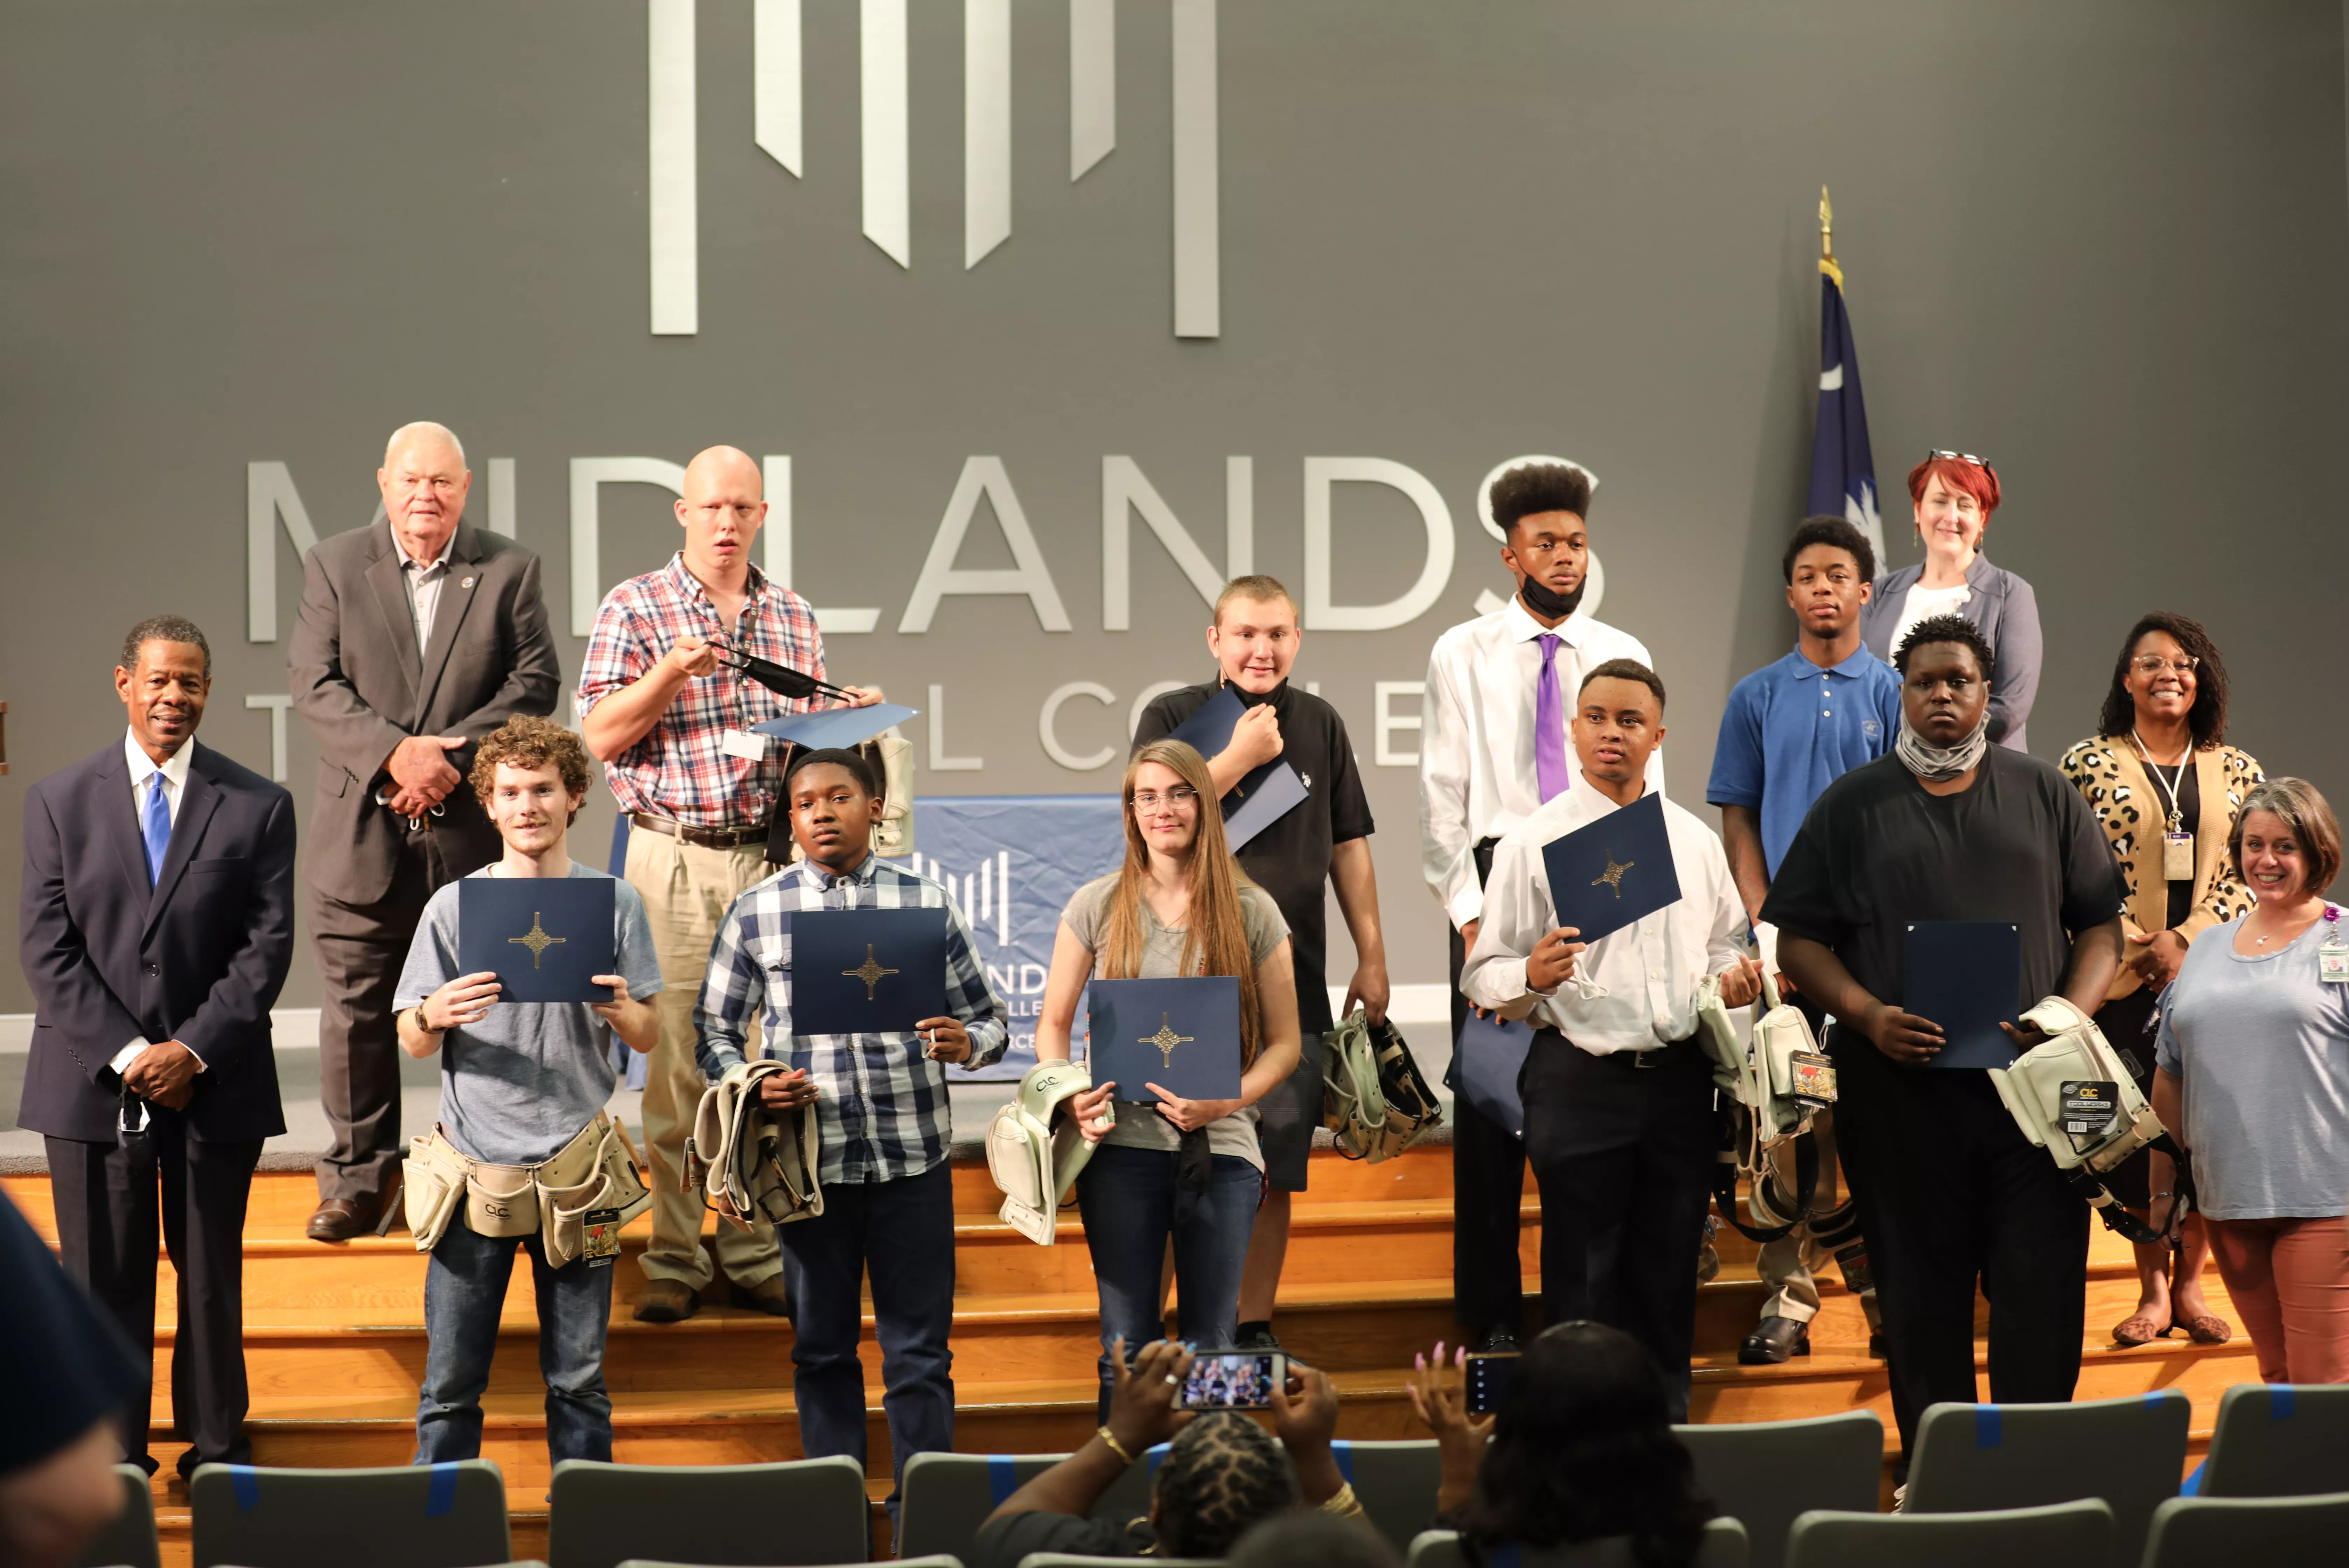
<point x="673" y="163"/>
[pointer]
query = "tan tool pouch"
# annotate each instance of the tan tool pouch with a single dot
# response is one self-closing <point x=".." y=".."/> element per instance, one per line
<point x="593" y="1170"/>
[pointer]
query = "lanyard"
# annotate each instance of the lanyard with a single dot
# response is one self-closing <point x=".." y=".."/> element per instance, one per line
<point x="2170" y="786"/>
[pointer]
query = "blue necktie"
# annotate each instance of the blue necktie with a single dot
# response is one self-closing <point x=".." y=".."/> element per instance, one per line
<point x="155" y="827"/>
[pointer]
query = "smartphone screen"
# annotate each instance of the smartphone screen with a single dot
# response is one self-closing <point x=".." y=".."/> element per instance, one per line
<point x="1489" y="1379"/>
<point x="1234" y="1380"/>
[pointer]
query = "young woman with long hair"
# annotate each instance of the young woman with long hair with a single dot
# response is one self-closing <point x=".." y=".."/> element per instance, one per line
<point x="1169" y="1166"/>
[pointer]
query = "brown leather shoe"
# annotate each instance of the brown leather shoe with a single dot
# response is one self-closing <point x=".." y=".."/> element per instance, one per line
<point x="339" y="1220"/>
<point x="767" y="1296"/>
<point x="668" y="1301"/>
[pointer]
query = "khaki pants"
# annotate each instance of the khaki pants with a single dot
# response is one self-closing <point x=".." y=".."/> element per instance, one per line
<point x="687" y="891"/>
<point x="1787" y="1265"/>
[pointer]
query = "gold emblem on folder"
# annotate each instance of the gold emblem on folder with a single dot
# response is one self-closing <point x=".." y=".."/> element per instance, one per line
<point x="870" y="971"/>
<point x="1613" y="875"/>
<point x="536" y="940"/>
<point x="1166" y="1039"/>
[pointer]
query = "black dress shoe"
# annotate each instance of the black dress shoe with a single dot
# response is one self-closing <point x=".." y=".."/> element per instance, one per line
<point x="1875" y="1346"/>
<point x="339" y="1220"/>
<point x="1496" y="1342"/>
<point x="1773" y="1340"/>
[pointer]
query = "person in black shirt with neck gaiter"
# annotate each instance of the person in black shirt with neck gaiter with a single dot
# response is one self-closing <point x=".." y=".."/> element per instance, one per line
<point x="1950" y="828"/>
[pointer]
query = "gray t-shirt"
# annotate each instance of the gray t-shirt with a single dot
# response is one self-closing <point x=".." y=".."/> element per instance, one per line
<point x="1162" y="959"/>
<point x="519" y="1085"/>
<point x="2263" y="1048"/>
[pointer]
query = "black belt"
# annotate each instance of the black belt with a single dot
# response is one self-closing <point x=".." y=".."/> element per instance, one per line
<point x="707" y="838"/>
<point x="1653" y="1056"/>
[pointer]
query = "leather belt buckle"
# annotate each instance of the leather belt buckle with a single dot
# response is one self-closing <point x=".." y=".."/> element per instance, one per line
<point x="1645" y="1060"/>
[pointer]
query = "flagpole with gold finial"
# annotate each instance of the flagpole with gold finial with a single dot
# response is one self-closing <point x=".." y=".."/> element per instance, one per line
<point x="1827" y="262"/>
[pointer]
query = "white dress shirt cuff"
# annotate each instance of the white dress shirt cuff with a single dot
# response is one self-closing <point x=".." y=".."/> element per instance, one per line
<point x="128" y="1053"/>
<point x="1465" y="905"/>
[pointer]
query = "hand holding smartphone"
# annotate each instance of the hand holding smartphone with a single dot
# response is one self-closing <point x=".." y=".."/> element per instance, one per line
<point x="1234" y="1380"/>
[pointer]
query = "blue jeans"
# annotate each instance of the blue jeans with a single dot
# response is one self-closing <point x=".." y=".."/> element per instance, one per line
<point x="1127" y="1198"/>
<point x="465" y="1291"/>
<point x="901" y="1233"/>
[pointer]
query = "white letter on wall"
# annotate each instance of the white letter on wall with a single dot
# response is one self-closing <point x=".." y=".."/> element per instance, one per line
<point x="588" y="475"/>
<point x="672" y="169"/>
<point x="984" y="477"/>
<point x="1385" y="721"/>
<point x="276" y="703"/>
<point x="1321" y="475"/>
<point x="1124" y="487"/>
<point x="776" y="554"/>
<point x="502" y="496"/>
<point x="939" y="761"/>
<point x="269" y="494"/>
<point x="1051" y="742"/>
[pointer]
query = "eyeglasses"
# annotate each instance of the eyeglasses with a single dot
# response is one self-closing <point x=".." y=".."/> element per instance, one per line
<point x="2154" y="664"/>
<point x="1960" y="457"/>
<point x="1179" y="797"/>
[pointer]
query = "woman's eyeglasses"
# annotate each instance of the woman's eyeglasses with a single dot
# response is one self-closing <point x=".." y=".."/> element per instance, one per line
<point x="1180" y="795"/>
<point x="2154" y="664"/>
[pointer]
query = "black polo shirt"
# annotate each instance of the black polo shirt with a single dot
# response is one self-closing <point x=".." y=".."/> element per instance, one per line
<point x="1291" y="858"/>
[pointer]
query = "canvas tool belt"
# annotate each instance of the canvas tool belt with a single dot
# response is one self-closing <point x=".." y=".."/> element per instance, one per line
<point x="1035" y="1150"/>
<point x="595" y="1170"/>
<point x="749" y="1162"/>
<point x="2073" y="1096"/>
<point x="1774" y="1081"/>
<point x="1375" y="1103"/>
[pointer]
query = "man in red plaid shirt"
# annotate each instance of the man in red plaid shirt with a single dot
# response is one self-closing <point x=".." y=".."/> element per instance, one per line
<point x="672" y="726"/>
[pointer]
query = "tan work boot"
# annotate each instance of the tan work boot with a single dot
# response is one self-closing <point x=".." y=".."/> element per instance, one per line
<point x="668" y="1301"/>
<point x="767" y="1296"/>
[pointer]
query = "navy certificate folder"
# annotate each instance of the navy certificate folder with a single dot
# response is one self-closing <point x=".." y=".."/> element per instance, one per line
<point x="1617" y="871"/>
<point x="1182" y="1035"/>
<point x="1260" y="799"/>
<point x="1967" y="976"/>
<point x="1492" y="1057"/>
<point x="867" y="970"/>
<point x="547" y="937"/>
<point x="828" y="727"/>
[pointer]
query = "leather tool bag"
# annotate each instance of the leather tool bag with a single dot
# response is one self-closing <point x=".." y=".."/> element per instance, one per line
<point x="2073" y="1096"/>
<point x="597" y="1170"/>
<point x="1375" y="1103"/>
<point x="750" y="1164"/>
<point x="1035" y="1150"/>
<point x="1775" y="1081"/>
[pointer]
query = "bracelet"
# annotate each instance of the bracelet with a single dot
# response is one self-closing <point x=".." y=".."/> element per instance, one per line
<point x="1344" y="1503"/>
<point x="1114" y="1445"/>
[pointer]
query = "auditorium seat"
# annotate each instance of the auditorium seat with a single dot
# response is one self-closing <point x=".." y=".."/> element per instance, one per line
<point x="2279" y="1440"/>
<point x="2129" y="1451"/>
<point x="2060" y="1535"/>
<point x="1725" y="1546"/>
<point x="949" y="1496"/>
<point x="1395" y="1483"/>
<point x="2194" y="1532"/>
<point x="129" y="1539"/>
<point x="941" y="1559"/>
<point x="1128" y="1496"/>
<point x="1764" y="1473"/>
<point x="398" y="1516"/>
<point x="1068" y="1560"/>
<point x="774" y="1515"/>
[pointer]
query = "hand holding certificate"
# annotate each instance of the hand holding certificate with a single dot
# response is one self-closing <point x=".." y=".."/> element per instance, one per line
<point x="1615" y="872"/>
<point x="869" y="972"/>
<point x="546" y="939"/>
<point x="1172" y="1043"/>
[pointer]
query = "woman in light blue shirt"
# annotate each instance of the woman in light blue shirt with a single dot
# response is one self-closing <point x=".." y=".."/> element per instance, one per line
<point x="2254" y="1081"/>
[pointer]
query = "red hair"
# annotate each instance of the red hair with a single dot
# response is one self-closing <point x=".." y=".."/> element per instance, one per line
<point x="1979" y="481"/>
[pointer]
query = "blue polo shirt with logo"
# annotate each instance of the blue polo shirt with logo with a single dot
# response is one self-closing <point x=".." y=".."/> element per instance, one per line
<point x="1792" y="729"/>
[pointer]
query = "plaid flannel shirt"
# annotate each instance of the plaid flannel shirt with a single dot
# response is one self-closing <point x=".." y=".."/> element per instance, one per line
<point x="882" y="1106"/>
<point x="679" y="770"/>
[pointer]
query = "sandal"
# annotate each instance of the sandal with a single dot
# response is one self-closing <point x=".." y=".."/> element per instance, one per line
<point x="2141" y="1329"/>
<point x="2205" y="1330"/>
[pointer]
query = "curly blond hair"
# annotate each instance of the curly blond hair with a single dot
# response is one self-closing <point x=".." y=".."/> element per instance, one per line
<point x="530" y="742"/>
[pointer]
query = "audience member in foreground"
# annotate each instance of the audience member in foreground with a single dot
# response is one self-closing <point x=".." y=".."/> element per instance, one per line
<point x="1318" y="1539"/>
<point x="1582" y="1449"/>
<point x="2254" y="1081"/>
<point x="1223" y="1475"/>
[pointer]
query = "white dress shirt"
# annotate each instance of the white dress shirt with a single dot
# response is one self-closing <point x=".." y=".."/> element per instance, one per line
<point x="422" y="581"/>
<point x="1476" y="754"/>
<point x="174" y="772"/>
<point x="1634" y="990"/>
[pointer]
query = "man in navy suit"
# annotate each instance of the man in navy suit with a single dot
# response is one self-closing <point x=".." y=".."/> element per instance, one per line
<point x="158" y="924"/>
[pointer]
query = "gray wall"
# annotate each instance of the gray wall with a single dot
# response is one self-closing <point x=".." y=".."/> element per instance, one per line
<point x="2102" y="242"/>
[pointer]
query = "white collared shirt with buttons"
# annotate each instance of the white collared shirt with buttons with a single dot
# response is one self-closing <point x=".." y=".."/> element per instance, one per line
<point x="174" y="774"/>
<point x="1477" y="753"/>
<point x="423" y="580"/>
<point x="1632" y="990"/>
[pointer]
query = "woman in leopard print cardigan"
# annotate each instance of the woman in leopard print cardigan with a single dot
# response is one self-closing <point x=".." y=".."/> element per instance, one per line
<point x="2158" y="765"/>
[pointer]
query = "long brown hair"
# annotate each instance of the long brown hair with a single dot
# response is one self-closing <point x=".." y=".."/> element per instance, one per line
<point x="1214" y="938"/>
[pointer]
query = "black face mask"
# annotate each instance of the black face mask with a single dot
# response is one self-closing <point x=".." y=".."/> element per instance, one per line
<point x="1547" y="602"/>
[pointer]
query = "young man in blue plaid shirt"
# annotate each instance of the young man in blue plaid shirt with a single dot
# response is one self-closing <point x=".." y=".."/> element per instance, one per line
<point x="882" y="1115"/>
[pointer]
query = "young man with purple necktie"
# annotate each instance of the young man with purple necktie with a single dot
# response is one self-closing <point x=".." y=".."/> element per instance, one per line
<point x="1500" y="689"/>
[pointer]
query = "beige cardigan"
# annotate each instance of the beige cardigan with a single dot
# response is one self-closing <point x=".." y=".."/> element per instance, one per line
<point x="2131" y="809"/>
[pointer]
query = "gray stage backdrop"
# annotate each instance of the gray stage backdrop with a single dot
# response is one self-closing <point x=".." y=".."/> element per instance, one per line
<point x="2102" y="243"/>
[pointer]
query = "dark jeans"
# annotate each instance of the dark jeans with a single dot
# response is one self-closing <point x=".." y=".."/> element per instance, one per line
<point x="1127" y="1198"/>
<point x="465" y="1291"/>
<point x="1951" y="1192"/>
<point x="1488" y="1185"/>
<point x="901" y="1232"/>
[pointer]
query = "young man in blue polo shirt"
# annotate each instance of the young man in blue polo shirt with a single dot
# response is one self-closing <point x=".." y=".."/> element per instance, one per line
<point x="1791" y="730"/>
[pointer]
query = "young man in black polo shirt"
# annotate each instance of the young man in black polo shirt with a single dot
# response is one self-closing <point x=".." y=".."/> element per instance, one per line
<point x="1255" y="640"/>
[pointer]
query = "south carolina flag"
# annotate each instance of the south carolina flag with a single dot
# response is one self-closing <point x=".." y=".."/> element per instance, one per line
<point x="1843" y="472"/>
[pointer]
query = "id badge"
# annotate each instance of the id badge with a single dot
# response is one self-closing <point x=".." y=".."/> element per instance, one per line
<point x="2333" y="964"/>
<point x="1814" y="1078"/>
<point x="751" y="747"/>
<point x="2178" y="857"/>
<point x="603" y="1230"/>
<point x="2090" y="1106"/>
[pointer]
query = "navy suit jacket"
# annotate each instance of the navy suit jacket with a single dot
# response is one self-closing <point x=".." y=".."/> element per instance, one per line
<point x="199" y="957"/>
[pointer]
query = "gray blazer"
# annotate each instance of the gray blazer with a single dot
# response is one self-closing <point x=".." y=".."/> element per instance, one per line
<point x="2004" y="609"/>
<point x="358" y="684"/>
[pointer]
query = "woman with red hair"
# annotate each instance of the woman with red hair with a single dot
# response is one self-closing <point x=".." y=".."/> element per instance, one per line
<point x="1953" y="494"/>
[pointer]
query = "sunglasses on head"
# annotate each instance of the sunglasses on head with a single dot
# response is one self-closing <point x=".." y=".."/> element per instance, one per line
<point x="1960" y="457"/>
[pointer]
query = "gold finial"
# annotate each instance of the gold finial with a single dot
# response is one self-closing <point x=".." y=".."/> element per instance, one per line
<point x="870" y="971"/>
<point x="1613" y="875"/>
<point x="1827" y="262"/>
<point x="1166" y="1039"/>
<point x="536" y="940"/>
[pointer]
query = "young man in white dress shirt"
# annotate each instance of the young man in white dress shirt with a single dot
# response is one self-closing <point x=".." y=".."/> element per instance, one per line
<point x="1500" y="691"/>
<point x="1621" y="1123"/>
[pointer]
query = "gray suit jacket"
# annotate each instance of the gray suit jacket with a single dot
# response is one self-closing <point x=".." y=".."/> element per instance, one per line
<point x="2003" y="609"/>
<point x="360" y="686"/>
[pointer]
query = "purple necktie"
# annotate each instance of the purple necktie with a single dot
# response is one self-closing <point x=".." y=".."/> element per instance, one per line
<point x="1550" y="773"/>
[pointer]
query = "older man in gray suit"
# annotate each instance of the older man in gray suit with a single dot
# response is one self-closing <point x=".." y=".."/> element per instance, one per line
<point x="418" y="636"/>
